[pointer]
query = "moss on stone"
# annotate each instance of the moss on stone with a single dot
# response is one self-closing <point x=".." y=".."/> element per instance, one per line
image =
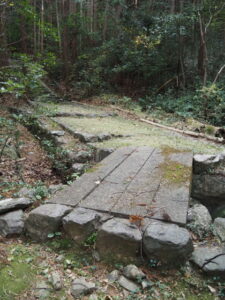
<point x="175" y="172"/>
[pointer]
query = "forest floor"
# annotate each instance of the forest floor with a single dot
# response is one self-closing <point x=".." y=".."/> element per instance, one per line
<point x="24" y="264"/>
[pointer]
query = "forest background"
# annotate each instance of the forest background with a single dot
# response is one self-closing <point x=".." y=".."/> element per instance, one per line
<point x="166" y="55"/>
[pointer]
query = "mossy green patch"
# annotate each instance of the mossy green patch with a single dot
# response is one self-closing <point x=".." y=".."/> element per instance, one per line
<point x="175" y="172"/>
<point x="18" y="275"/>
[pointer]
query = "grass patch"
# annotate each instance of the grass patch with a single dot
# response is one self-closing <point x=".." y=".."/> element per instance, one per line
<point x="141" y="135"/>
<point x="19" y="275"/>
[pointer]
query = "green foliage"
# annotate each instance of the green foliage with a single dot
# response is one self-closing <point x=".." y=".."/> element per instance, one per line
<point x="22" y="78"/>
<point x="40" y="191"/>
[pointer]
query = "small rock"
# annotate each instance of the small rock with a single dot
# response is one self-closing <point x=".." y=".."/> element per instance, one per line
<point x="113" y="276"/>
<point x="169" y="243"/>
<point x="82" y="287"/>
<point x="12" y="223"/>
<point x="56" y="281"/>
<point x="10" y="204"/>
<point x="42" y="290"/>
<point x="60" y="258"/>
<point x="26" y="193"/>
<point x="57" y="132"/>
<point x="128" y="284"/>
<point x="81" y="157"/>
<point x="145" y="284"/>
<point x="78" y="168"/>
<point x="132" y="272"/>
<point x="219" y="228"/>
<point x="44" y="220"/>
<point x="93" y="297"/>
<point x="199" y="217"/>
<point x="215" y="256"/>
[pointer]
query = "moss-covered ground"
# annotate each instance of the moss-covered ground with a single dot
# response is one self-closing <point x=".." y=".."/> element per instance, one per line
<point x="138" y="134"/>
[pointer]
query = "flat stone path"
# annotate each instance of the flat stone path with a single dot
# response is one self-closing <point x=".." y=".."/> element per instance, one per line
<point x="135" y="182"/>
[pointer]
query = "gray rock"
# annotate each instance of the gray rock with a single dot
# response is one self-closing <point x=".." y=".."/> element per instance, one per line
<point x="26" y="193"/>
<point x="13" y="204"/>
<point x="96" y="255"/>
<point x="102" y="153"/>
<point x="169" y="243"/>
<point x="44" y="220"/>
<point x="132" y="272"/>
<point x="93" y="297"/>
<point x="219" y="228"/>
<point x="118" y="238"/>
<point x="81" y="157"/>
<point x="82" y="287"/>
<point x="128" y="284"/>
<point x="145" y="284"/>
<point x="61" y="140"/>
<point x="210" y="189"/>
<point x="42" y="290"/>
<point x="56" y="280"/>
<point x="104" y="137"/>
<point x="60" y="258"/>
<point x="12" y="223"/>
<point x="199" y="216"/>
<point x="58" y="132"/>
<point x="78" y="168"/>
<point x="208" y="179"/>
<point x="203" y="162"/>
<point x="113" y="276"/>
<point x="215" y="257"/>
<point x="80" y="223"/>
<point x="86" y="137"/>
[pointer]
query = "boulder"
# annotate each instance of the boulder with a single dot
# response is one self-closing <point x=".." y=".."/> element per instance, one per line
<point x="53" y="188"/>
<point x="128" y="284"/>
<point x="219" y="228"/>
<point x="200" y="218"/>
<point x="168" y="243"/>
<point x="81" y="223"/>
<point x="81" y="287"/>
<point x="12" y="223"/>
<point x="13" y="204"/>
<point x="209" y="259"/>
<point x="118" y="239"/>
<point x="208" y="179"/>
<point x="44" y="220"/>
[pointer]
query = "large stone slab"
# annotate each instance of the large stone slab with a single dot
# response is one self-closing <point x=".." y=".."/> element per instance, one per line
<point x="82" y="187"/>
<point x="140" y="181"/>
<point x="44" y="220"/>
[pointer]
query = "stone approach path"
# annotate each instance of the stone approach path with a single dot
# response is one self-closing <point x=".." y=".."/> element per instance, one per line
<point x="139" y="181"/>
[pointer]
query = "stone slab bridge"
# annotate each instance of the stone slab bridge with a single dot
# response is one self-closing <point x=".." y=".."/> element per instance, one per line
<point x="136" y="199"/>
